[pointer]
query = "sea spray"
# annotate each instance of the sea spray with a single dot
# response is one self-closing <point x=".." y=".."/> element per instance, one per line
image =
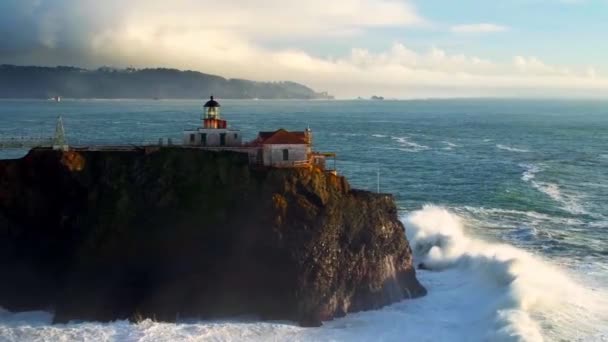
<point x="528" y="298"/>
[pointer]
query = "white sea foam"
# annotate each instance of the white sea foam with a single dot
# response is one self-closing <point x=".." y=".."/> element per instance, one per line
<point x="379" y="136"/>
<point x="450" y="145"/>
<point x="507" y="218"/>
<point x="511" y="149"/>
<point x="347" y="134"/>
<point x="570" y="202"/>
<point x="409" y="146"/>
<point x="530" y="172"/>
<point x="522" y="296"/>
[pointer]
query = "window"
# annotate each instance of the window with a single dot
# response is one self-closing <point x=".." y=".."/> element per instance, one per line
<point x="285" y="154"/>
<point x="192" y="136"/>
<point x="222" y="139"/>
<point x="236" y="136"/>
<point x="204" y="139"/>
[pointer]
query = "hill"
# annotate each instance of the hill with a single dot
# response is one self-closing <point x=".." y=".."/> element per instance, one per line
<point x="111" y="83"/>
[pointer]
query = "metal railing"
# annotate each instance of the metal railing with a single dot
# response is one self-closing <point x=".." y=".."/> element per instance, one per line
<point x="24" y="142"/>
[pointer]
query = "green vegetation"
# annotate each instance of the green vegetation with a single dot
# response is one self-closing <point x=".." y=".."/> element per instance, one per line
<point x="110" y="83"/>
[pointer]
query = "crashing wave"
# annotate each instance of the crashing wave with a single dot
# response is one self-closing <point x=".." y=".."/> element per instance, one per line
<point x="525" y="297"/>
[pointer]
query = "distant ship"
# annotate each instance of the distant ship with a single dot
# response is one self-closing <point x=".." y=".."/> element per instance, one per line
<point x="55" y="99"/>
<point x="379" y="98"/>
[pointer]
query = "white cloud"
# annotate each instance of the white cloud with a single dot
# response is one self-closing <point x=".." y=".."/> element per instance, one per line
<point x="478" y="28"/>
<point x="269" y="18"/>
<point x="230" y="38"/>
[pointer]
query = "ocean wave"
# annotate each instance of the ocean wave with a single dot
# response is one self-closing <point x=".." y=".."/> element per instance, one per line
<point x="570" y="202"/>
<point x="530" y="172"/>
<point x="409" y="146"/>
<point x="511" y="149"/>
<point x="346" y="134"/>
<point x="450" y="145"/>
<point x="520" y="296"/>
<point x="379" y="136"/>
<point x="508" y="218"/>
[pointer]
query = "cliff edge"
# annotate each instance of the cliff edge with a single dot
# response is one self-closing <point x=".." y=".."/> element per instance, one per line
<point x="171" y="232"/>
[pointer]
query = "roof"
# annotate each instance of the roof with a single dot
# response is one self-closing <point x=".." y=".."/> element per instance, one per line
<point x="282" y="137"/>
<point x="212" y="103"/>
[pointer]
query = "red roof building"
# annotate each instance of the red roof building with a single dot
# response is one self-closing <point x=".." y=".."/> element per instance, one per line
<point x="282" y="137"/>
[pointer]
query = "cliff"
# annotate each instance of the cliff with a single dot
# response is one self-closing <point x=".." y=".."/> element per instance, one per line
<point x="169" y="233"/>
<point x="110" y="83"/>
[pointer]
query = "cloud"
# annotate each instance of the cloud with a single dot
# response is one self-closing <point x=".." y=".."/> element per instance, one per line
<point x="478" y="28"/>
<point x="234" y="39"/>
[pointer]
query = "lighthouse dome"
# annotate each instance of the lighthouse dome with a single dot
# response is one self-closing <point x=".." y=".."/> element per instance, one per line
<point x="212" y="103"/>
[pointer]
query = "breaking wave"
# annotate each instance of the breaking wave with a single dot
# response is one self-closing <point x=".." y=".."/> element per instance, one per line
<point x="515" y="296"/>
<point x="568" y="201"/>
<point x="511" y="149"/>
<point x="409" y="146"/>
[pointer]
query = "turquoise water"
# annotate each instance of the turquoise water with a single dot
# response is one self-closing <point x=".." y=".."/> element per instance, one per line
<point x="529" y="174"/>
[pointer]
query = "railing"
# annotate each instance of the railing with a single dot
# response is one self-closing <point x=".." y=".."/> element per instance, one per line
<point x="24" y="142"/>
<point x="302" y="163"/>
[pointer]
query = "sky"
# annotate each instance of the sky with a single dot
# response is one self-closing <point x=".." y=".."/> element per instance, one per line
<point x="350" y="48"/>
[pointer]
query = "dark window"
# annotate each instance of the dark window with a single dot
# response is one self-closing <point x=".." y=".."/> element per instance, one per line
<point x="204" y="139"/>
<point x="236" y="135"/>
<point x="222" y="139"/>
<point x="285" y="154"/>
<point x="192" y="138"/>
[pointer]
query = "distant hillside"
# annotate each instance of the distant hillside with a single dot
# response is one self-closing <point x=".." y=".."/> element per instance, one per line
<point x="110" y="83"/>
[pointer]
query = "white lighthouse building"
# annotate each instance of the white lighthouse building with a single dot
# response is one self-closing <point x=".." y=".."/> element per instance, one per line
<point x="280" y="148"/>
<point x="214" y="131"/>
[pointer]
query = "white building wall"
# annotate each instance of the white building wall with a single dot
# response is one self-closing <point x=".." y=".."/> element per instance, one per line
<point x="273" y="154"/>
<point x="211" y="137"/>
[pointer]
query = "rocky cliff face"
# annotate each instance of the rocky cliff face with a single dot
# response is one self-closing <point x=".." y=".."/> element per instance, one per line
<point x="176" y="233"/>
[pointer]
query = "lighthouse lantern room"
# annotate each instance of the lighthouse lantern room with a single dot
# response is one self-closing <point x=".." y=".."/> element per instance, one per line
<point x="214" y="131"/>
<point x="211" y="115"/>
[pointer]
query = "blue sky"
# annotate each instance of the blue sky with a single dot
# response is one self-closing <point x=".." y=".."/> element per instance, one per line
<point x="415" y="48"/>
<point x="570" y="33"/>
<point x="563" y="32"/>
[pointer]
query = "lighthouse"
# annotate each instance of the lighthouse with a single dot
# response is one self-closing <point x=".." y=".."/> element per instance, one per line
<point x="214" y="131"/>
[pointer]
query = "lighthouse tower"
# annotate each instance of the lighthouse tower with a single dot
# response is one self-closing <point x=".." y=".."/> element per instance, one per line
<point x="214" y="131"/>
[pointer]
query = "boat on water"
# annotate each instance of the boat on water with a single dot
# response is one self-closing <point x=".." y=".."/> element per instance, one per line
<point x="55" y="99"/>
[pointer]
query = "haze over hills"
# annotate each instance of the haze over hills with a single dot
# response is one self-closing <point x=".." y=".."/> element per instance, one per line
<point x="111" y="83"/>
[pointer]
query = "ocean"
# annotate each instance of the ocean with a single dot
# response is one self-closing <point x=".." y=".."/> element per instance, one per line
<point x="506" y="200"/>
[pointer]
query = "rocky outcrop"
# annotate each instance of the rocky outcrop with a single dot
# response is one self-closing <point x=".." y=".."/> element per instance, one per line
<point x="169" y="233"/>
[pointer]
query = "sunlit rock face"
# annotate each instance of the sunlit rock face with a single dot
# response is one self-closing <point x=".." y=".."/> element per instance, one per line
<point x="174" y="233"/>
